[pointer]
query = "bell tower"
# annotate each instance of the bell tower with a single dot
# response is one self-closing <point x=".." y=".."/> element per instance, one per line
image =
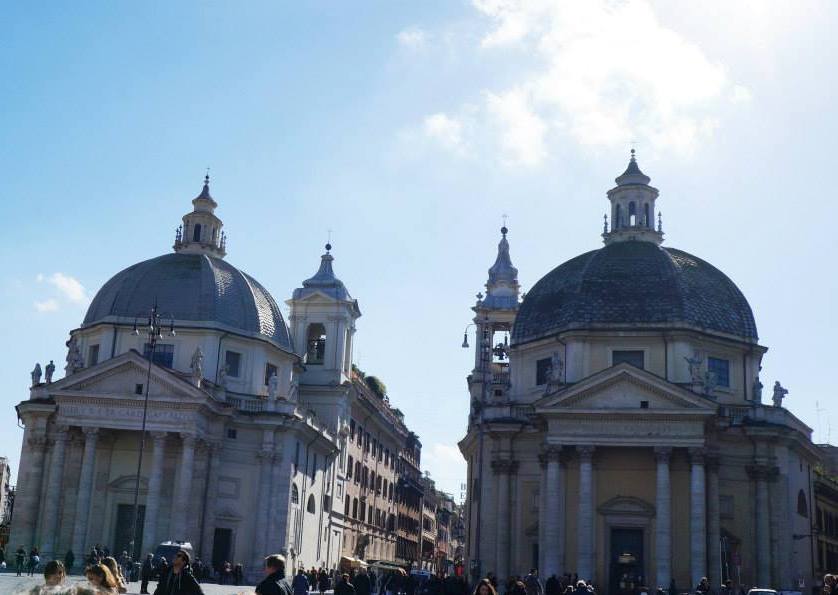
<point x="633" y="208"/>
<point x="201" y="231"/>
<point x="494" y="315"/>
<point x="322" y="321"/>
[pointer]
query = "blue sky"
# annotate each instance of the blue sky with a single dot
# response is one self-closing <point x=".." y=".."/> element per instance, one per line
<point x="409" y="128"/>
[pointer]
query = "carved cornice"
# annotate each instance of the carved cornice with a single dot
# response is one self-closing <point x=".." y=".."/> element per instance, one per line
<point x="504" y="467"/>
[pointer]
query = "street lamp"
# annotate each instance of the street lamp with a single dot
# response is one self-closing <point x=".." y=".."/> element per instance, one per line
<point x="154" y="329"/>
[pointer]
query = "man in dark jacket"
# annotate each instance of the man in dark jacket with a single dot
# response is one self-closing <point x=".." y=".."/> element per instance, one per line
<point x="344" y="587"/>
<point x="275" y="582"/>
<point x="145" y="573"/>
<point x="552" y="586"/>
<point x="179" y="580"/>
<point x="362" y="583"/>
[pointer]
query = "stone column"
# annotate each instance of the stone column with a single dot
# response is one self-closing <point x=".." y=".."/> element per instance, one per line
<point x="214" y="455"/>
<point x="542" y="514"/>
<point x="551" y="519"/>
<point x="663" y="524"/>
<point x="88" y="464"/>
<point x="585" y="537"/>
<point x="281" y="480"/>
<point x="503" y="470"/>
<point x="50" y="525"/>
<point x="265" y="457"/>
<point x="698" y="517"/>
<point x="152" y="500"/>
<point x="182" y="504"/>
<point x="28" y="498"/>
<point x="760" y="474"/>
<point x="714" y="550"/>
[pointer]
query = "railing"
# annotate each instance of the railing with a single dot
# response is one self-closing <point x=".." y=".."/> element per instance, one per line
<point x="500" y="377"/>
<point x="251" y="405"/>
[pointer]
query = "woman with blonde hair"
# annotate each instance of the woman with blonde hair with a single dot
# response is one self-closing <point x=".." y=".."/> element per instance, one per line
<point x="116" y="571"/>
<point x="101" y="579"/>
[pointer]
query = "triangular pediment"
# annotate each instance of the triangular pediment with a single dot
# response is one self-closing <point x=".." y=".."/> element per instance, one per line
<point x="624" y="387"/>
<point x="123" y="375"/>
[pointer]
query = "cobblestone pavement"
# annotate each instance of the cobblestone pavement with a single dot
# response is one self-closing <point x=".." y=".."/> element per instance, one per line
<point x="11" y="585"/>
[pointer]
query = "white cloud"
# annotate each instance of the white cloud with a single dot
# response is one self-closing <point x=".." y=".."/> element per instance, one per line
<point x="413" y="38"/>
<point x="602" y="72"/>
<point x="68" y="289"/>
<point x="446" y="130"/>
<point x="521" y="129"/>
<point x="49" y="305"/>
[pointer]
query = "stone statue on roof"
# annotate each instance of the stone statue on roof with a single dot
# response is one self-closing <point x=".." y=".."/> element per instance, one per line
<point x="197" y="366"/>
<point x="36" y="375"/>
<point x="780" y="393"/>
<point x="50" y="370"/>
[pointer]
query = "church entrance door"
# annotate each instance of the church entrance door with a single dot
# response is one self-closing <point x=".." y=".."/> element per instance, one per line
<point x="626" y="561"/>
<point x="222" y="545"/>
<point x="122" y="534"/>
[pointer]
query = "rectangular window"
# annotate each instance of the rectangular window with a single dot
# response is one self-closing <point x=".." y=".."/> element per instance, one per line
<point x="635" y="358"/>
<point x="270" y="370"/>
<point x="720" y="368"/>
<point x="351" y="429"/>
<point x="164" y="354"/>
<point x="542" y="370"/>
<point x="92" y="355"/>
<point x="232" y="433"/>
<point x="233" y="361"/>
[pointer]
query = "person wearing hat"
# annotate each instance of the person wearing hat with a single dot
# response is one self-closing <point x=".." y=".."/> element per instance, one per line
<point x="179" y="580"/>
<point x="275" y="582"/>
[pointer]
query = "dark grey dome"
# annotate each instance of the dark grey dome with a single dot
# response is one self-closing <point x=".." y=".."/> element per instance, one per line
<point x="195" y="288"/>
<point x="630" y="284"/>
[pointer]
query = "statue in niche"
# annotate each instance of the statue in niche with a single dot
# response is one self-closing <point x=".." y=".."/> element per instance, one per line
<point x="694" y="363"/>
<point x="36" y="375"/>
<point x="709" y="383"/>
<point x="74" y="359"/>
<point x="197" y="366"/>
<point x="294" y="391"/>
<point x="779" y="394"/>
<point x="222" y="376"/>
<point x="757" y="390"/>
<point x="50" y="370"/>
<point x="556" y="369"/>
<point x="273" y="387"/>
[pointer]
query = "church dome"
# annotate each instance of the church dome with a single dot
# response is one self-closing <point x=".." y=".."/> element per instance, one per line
<point x="630" y="285"/>
<point x="194" y="288"/>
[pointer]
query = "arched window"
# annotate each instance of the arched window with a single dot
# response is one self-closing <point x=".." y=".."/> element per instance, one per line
<point x="295" y="494"/>
<point x="346" y="507"/>
<point x="355" y="508"/>
<point x="632" y="214"/>
<point x="310" y="505"/>
<point x="316" y="341"/>
<point x="802" y="505"/>
<point x="391" y="492"/>
<point x="196" y="233"/>
<point x="647" y="218"/>
<point x="618" y="218"/>
<point x="213" y="235"/>
<point x="357" y="472"/>
<point x="349" y="466"/>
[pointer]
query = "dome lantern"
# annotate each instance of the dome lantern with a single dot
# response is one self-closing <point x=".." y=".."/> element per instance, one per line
<point x="201" y="231"/>
<point x="633" y="208"/>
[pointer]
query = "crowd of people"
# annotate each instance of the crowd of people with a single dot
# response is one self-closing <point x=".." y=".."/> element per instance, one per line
<point x="107" y="576"/>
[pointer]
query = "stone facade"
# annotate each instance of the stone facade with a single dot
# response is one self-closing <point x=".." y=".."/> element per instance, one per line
<point x="629" y="452"/>
<point x="247" y="421"/>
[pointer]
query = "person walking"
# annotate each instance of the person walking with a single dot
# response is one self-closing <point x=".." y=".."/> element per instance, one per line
<point x="69" y="560"/>
<point x="552" y="586"/>
<point x="275" y="582"/>
<point x="101" y="579"/>
<point x="532" y="584"/>
<point x="362" y="583"/>
<point x="34" y="561"/>
<point x="344" y="587"/>
<point x="20" y="556"/>
<point x="300" y="583"/>
<point x="179" y="579"/>
<point x="54" y="575"/>
<point x="146" y="571"/>
<point x="322" y="581"/>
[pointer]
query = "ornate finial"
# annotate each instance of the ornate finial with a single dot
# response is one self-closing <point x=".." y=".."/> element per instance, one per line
<point x="328" y="240"/>
<point x="206" y="178"/>
<point x="605" y="223"/>
<point x="632" y="154"/>
<point x="328" y="247"/>
<point x="660" y="223"/>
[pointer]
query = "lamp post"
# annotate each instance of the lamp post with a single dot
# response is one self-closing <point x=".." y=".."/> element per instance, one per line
<point x="154" y="329"/>
<point x="485" y="349"/>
